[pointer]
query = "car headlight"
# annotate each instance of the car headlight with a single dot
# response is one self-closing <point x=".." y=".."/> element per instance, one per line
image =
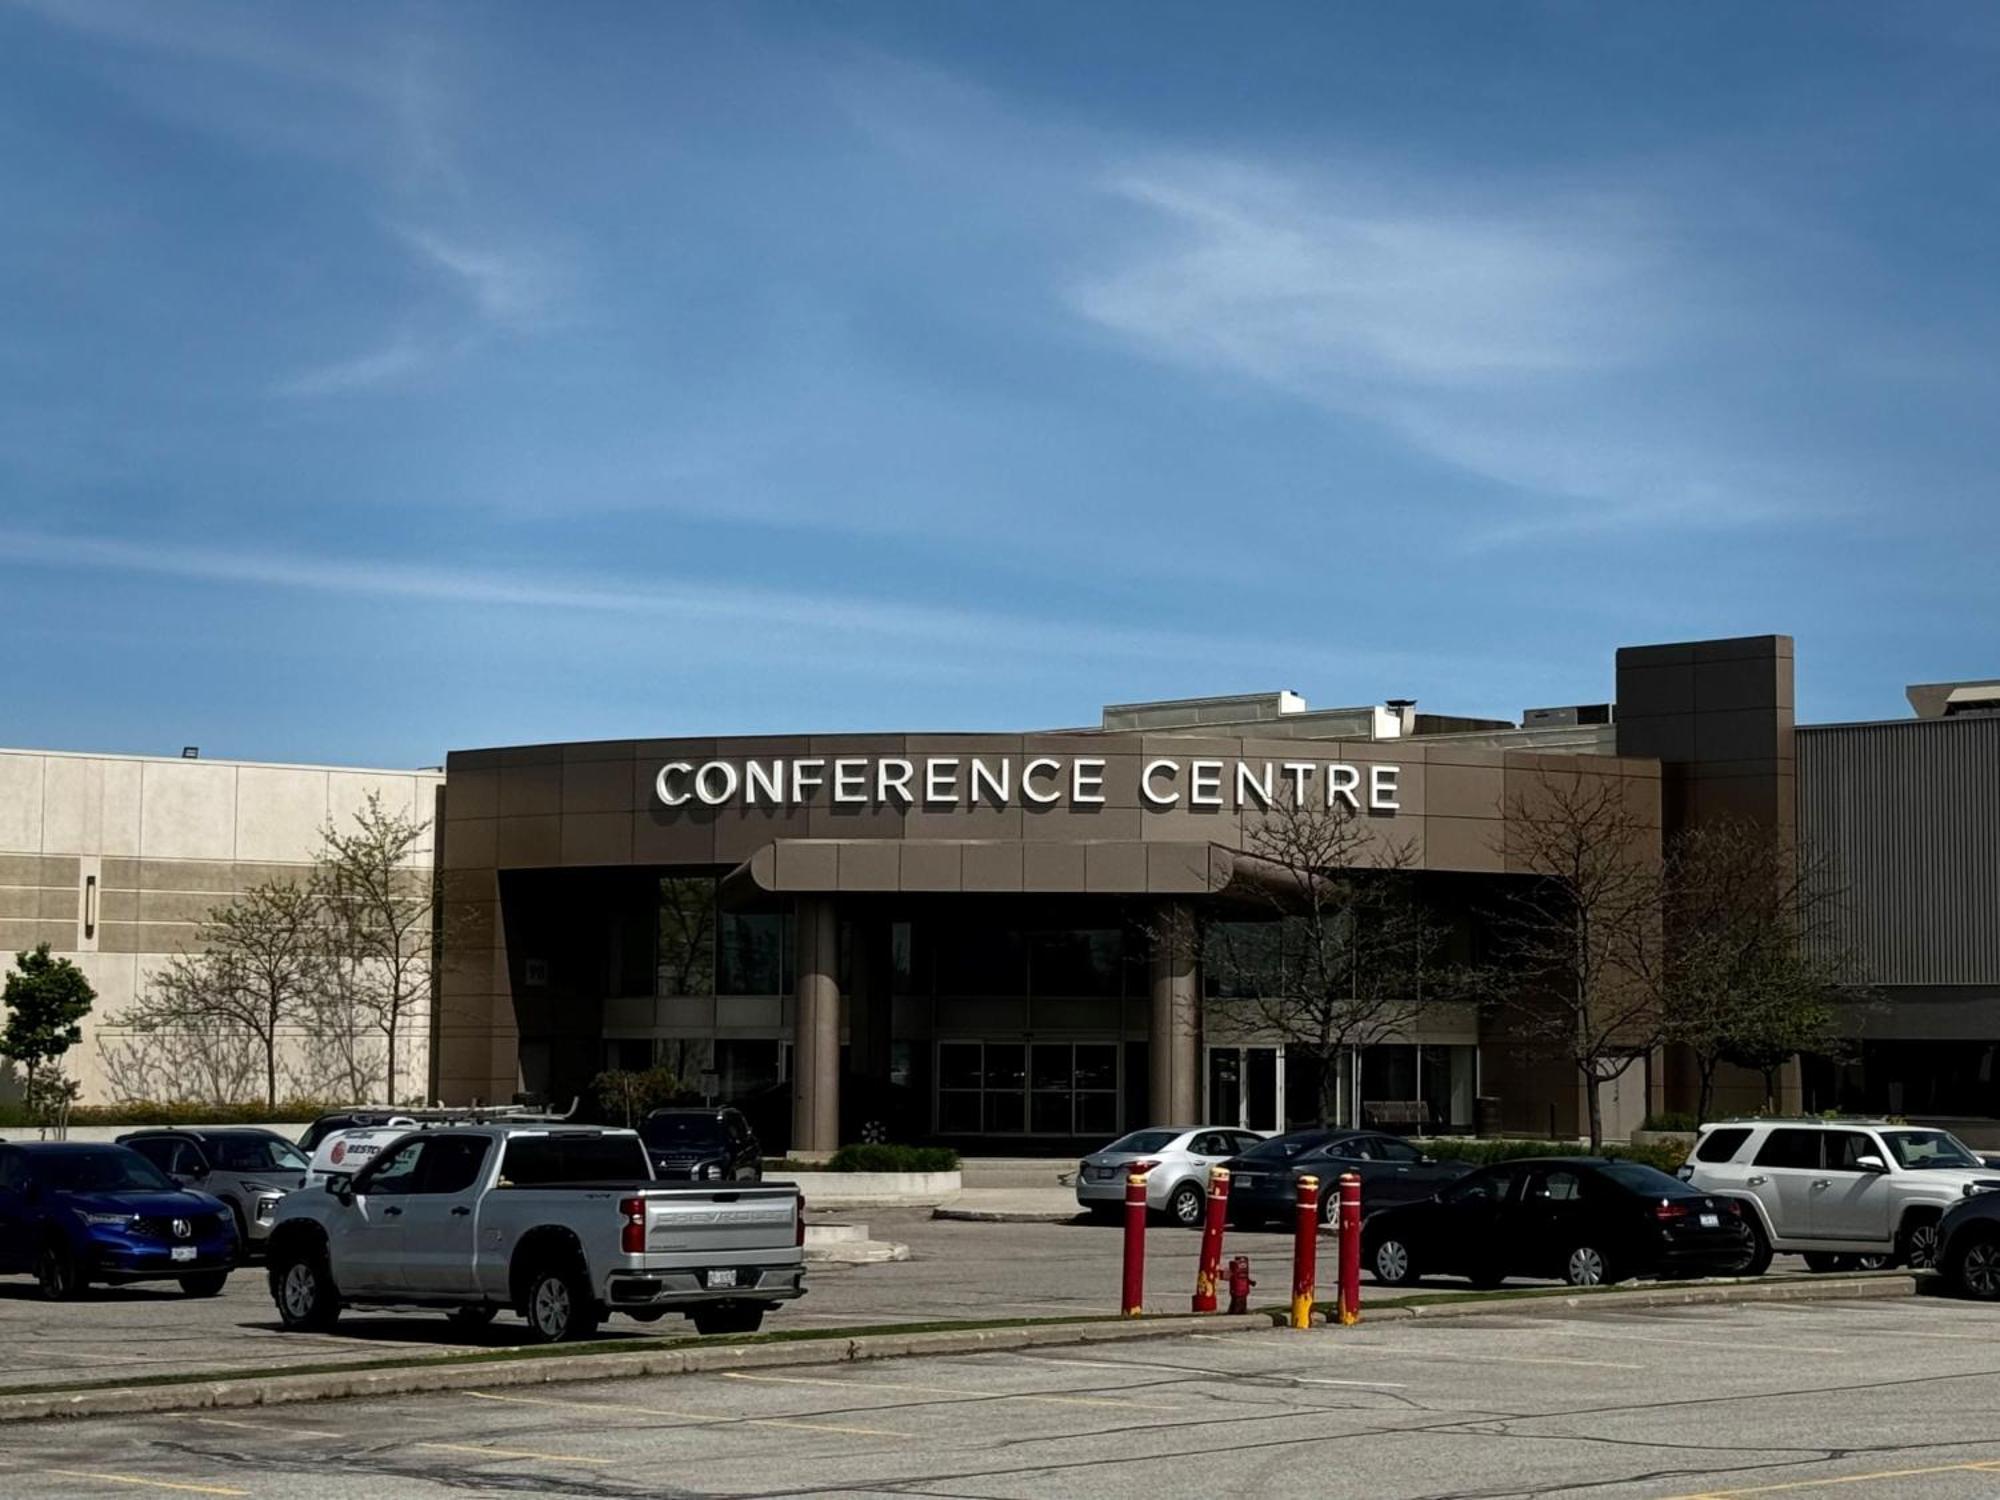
<point x="267" y="1208"/>
<point x="711" y="1170"/>
<point x="106" y="1221"/>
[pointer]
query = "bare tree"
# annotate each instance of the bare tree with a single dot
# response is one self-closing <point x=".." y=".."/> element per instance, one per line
<point x="687" y="936"/>
<point x="197" y="1057"/>
<point x="1343" y="952"/>
<point x="1579" y="939"/>
<point x="1751" y="966"/>
<point x="378" y="911"/>
<point x="257" y="967"/>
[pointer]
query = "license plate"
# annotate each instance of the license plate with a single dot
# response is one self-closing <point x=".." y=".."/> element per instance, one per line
<point x="1711" y="1221"/>
<point x="722" y="1278"/>
<point x="1245" y="1179"/>
<point x="1099" y="1174"/>
<point x="184" y="1252"/>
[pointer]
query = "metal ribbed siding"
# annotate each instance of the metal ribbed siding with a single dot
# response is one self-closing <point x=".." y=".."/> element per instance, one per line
<point x="1910" y="810"/>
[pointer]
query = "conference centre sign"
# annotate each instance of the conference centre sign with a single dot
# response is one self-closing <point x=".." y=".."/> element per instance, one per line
<point x="946" y="781"/>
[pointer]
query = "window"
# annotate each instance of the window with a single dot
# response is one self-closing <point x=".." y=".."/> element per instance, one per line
<point x="159" y="1150"/>
<point x="1009" y="1088"/>
<point x="1247" y="1140"/>
<point x="1647" y="1181"/>
<point x="452" y="1162"/>
<point x="1211" y="1143"/>
<point x="105" y="1169"/>
<point x="395" y="1172"/>
<point x="751" y="959"/>
<point x="1076" y="964"/>
<point x="1721" y="1145"/>
<point x="1400" y="1152"/>
<point x="1557" y="1187"/>
<point x="1919" y="1149"/>
<point x="13" y="1172"/>
<point x="687" y="936"/>
<point x="1145" y="1141"/>
<point x="1490" y="1186"/>
<point x="1845" y="1148"/>
<point x="1790" y="1148"/>
<point x="255" y="1153"/>
<point x="542" y="1160"/>
<point x="1353" y="1148"/>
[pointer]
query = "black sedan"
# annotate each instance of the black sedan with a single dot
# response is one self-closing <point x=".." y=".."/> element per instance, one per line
<point x="1586" y="1220"/>
<point x="1969" y="1246"/>
<point x="1263" y="1182"/>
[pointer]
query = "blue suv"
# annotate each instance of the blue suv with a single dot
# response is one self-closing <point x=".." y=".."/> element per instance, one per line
<point x="71" y="1214"/>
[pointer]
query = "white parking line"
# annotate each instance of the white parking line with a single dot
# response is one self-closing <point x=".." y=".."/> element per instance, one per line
<point x="948" y="1392"/>
<point x="1483" y="1359"/>
<point x="1621" y="1336"/>
<point x="268" y="1429"/>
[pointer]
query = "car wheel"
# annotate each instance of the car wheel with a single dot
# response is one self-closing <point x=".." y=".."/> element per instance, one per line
<point x="1586" y="1265"/>
<point x="559" y="1305"/>
<point x="1392" y="1262"/>
<point x="303" y="1288"/>
<point x="728" y="1317"/>
<point x="470" y="1318"/>
<point x="57" y="1272"/>
<point x="1758" y="1261"/>
<point x="1874" y="1262"/>
<point x="207" y="1284"/>
<point x="1186" y="1205"/>
<point x="1917" y="1245"/>
<point x="1821" y="1261"/>
<point x="1976" y="1269"/>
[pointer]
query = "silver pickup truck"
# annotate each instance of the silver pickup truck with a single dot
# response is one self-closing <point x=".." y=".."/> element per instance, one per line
<point x="561" y="1223"/>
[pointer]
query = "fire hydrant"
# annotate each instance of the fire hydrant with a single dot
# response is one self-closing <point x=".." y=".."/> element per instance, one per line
<point x="1240" y="1284"/>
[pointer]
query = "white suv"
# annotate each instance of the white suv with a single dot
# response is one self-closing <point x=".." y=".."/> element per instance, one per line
<point x="1844" y="1192"/>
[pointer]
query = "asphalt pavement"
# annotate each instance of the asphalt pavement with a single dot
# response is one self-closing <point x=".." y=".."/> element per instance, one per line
<point x="957" y="1271"/>
<point x="1801" y="1400"/>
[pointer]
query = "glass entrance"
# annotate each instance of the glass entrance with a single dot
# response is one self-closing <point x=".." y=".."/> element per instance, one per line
<point x="1246" y="1087"/>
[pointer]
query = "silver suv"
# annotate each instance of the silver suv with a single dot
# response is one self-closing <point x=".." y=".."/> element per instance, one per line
<point x="1842" y="1192"/>
<point x="248" y="1168"/>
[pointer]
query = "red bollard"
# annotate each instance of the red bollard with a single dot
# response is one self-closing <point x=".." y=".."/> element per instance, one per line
<point x="1210" y="1270"/>
<point x="1350" y="1248"/>
<point x="1135" y="1244"/>
<point x="1305" y="1252"/>
<point x="1239" y="1285"/>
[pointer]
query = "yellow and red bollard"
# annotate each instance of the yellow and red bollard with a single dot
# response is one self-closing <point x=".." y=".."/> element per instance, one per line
<point x="1350" y="1248"/>
<point x="1305" y="1252"/>
<point x="1134" y="1299"/>
<point x="1209" y="1271"/>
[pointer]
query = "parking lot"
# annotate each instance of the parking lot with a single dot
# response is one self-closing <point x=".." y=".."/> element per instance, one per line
<point x="1806" y="1399"/>
<point x="956" y="1271"/>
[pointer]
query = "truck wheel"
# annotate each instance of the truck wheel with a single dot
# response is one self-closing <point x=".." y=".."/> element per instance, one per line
<point x="302" y="1286"/>
<point x="1917" y="1245"/>
<point x="728" y="1317"/>
<point x="205" y="1284"/>
<point x="57" y="1272"/>
<point x="560" y="1307"/>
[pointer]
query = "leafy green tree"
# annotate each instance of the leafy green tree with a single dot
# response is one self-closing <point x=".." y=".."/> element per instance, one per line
<point x="46" y="998"/>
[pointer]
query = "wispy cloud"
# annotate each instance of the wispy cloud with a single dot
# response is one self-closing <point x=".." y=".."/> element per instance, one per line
<point x="691" y="604"/>
<point x="508" y="286"/>
<point x="365" y="372"/>
<point x="1520" y="339"/>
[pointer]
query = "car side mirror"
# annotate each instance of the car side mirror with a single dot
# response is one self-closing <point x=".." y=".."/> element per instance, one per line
<point x="198" y="1171"/>
<point x="1871" y="1163"/>
<point x="341" y="1185"/>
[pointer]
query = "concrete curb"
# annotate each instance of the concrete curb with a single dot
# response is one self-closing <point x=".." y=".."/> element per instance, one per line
<point x="1008" y="1216"/>
<point x="690" y="1359"/>
<point x="1815" y="1289"/>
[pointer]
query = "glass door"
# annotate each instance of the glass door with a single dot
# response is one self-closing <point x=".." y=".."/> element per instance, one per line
<point x="1246" y="1087"/>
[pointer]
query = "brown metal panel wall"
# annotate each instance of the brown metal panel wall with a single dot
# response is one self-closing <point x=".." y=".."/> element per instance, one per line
<point x="1910" y="810"/>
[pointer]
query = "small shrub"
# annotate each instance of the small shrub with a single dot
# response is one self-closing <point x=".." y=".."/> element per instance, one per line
<point x="1680" y="1121"/>
<point x="893" y="1159"/>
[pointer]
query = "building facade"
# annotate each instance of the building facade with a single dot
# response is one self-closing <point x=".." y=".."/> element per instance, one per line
<point x="113" y="860"/>
<point x="958" y="936"/>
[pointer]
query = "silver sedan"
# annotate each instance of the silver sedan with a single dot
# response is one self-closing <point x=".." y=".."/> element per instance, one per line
<point x="1175" y="1158"/>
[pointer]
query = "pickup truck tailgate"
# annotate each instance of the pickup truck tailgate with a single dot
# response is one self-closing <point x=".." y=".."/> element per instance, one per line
<point x="747" y="1218"/>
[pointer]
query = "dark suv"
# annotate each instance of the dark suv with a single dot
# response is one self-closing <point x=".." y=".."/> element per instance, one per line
<point x="702" y="1145"/>
<point x="71" y="1214"/>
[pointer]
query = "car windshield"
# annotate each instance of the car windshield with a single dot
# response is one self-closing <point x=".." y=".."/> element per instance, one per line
<point x="116" y="1169"/>
<point x="1285" y="1147"/>
<point x="1919" y="1149"/>
<point x="1144" y="1140"/>
<point x="1640" y="1178"/>
<point x="255" y="1153"/>
<point x="664" y="1132"/>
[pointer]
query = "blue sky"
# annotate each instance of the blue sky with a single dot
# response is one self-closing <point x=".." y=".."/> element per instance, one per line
<point x="381" y="380"/>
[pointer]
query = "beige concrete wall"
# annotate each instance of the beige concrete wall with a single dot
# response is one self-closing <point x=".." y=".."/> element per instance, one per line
<point x="167" y="839"/>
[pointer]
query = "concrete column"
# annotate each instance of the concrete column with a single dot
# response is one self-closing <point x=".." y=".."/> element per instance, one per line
<point x="816" y="1028"/>
<point x="1173" y="1051"/>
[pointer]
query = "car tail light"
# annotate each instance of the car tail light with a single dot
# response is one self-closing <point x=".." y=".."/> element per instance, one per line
<point x="632" y="1238"/>
<point x="799" y="1221"/>
<point x="1140" y="1166"/>
<point x="1667" y="1211"/>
